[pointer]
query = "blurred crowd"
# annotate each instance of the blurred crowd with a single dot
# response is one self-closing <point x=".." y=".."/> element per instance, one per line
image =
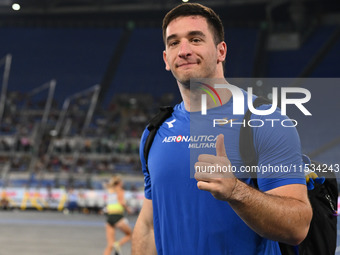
<point x="107" y="145"/>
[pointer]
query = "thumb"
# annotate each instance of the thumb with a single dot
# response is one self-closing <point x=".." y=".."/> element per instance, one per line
<point x="220" y="148"/>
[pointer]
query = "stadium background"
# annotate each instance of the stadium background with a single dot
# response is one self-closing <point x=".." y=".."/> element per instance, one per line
<point x="80" y="80"/>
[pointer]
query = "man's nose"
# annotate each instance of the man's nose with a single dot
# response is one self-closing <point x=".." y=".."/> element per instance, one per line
<point x="184" y="50"/>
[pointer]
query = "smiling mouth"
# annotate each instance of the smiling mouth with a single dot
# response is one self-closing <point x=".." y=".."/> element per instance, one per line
<point x="186" y="64"/>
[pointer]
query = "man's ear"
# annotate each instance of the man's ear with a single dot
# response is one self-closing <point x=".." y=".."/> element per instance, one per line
<point x="221" y="51"/>
<point x="167" y="67"/>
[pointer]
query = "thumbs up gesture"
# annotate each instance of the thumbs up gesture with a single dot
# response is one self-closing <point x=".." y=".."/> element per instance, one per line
<point x="213" y="172"/>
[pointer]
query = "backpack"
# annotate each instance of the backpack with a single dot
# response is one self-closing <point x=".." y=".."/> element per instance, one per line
<point x="154" y="124"/>
<point x="322" y="192"/>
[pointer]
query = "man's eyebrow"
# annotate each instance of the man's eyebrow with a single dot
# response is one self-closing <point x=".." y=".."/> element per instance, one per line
<point x="191" y="33"/>
<point x="196" y="33"/>
<point x="170" y="37"/>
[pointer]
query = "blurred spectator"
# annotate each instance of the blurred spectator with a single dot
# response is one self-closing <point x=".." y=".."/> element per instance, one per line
<point x="72" y="203"/>
<point x="4" y="201"/>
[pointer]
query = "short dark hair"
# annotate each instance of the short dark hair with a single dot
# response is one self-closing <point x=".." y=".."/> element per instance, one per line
<point x="195" y="9"/>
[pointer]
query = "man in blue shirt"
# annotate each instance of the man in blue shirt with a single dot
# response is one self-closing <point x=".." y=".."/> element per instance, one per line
<point x="179" y="216"/>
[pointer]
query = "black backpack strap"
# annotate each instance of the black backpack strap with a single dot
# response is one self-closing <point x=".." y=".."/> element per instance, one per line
<point x="247" y="149"/>
<point x="164" y="113"/>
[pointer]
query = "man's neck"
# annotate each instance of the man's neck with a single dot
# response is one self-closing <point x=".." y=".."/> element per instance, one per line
<point x="192" y="97"/>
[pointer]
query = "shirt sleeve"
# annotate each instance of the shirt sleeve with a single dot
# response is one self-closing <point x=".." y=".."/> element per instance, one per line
<point x="147" y="179"/>
<point x="278" y="147"/>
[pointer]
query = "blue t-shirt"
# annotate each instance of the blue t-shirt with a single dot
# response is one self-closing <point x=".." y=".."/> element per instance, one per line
<point x="190" y="221"/>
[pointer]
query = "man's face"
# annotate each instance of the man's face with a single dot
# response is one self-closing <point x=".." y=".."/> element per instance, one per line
<point x="190" y="50"/>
